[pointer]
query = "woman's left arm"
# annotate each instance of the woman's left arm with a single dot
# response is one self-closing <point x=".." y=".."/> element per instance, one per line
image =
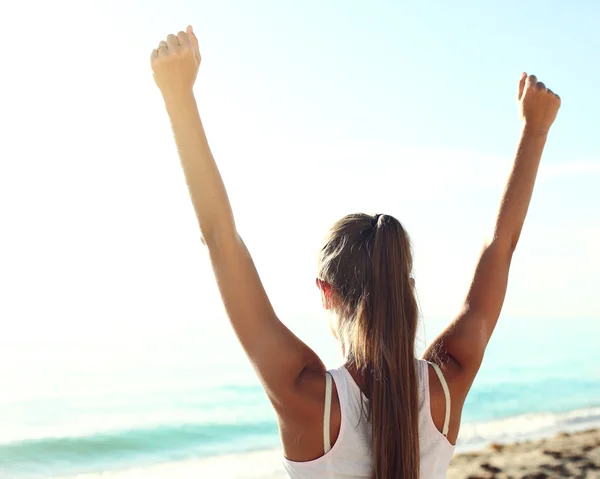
<point x="278" y="356"/>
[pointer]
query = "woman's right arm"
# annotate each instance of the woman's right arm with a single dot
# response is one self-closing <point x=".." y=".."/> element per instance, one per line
<point x="280" y="358"/>
<point x="463" y="343"/>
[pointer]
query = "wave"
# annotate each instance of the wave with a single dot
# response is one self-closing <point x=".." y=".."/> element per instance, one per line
<point x="266" y="464"/>
<point x="127" y="448"/>
<point x="147" y="446"/>
<point x="475" y="435"/>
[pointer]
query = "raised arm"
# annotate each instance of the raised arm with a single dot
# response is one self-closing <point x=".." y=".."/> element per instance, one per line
<point x="278" y="356"/>
<point x="463" y="343"/>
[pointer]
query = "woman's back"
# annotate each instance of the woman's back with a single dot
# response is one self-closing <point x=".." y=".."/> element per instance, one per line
<point x="351" y="455"/>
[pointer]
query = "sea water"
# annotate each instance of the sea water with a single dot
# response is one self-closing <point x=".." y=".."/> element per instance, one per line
<point x="142" y="401"/>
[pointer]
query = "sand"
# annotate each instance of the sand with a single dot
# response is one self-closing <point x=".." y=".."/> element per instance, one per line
<point x="252" y="465"/>
<point x="574" y="455"/>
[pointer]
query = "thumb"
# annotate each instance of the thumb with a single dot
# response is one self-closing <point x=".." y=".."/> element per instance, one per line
<point x="192" y="35"/>
<point x="522" y="85"/>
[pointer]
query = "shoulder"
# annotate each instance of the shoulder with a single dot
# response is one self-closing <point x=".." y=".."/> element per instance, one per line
<point x="301" y="420"/>
<point x="450" y="375"/>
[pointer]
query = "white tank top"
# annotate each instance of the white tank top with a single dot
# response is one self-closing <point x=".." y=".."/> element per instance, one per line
<point x="350" y="456"/>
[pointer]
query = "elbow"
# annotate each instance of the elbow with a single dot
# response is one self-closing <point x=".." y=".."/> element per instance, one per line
<point x="513" y="242"/>
<point x="216" y="229"/>
<point x="217" y="239"/>
<point x="512" y="239"/>
<point x="507" y="241"/>
<point x="501" y="249"/>
<point x="206" y="237"/>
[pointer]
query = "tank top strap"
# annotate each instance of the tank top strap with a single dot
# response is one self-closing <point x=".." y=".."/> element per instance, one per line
<point x="327" y="414"/>
<point x="446" y="389"/>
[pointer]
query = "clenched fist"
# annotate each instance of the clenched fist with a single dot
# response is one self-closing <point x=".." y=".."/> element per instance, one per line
<point x="538" y="105"/>
<point x="175" y="63"/>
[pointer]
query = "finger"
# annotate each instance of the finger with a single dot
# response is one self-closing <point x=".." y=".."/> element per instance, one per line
<point x="531" y="80"/>
<point x="522" y="85"/>
<point x="552" y="93"/>
<point x="162" y="49"/>
<point x="192" y="35"/>
<point x="172" y="41"/>
<point x="184" y="38"/>
<point x="154" y="54"/>
<point x="540" y="85"/>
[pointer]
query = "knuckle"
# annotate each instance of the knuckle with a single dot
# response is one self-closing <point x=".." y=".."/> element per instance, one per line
<point x="184" y="50"/>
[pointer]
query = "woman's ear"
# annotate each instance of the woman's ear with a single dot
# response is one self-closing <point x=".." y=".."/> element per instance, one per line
<point x="412" y="283"/>
<point x="325" y="289"/>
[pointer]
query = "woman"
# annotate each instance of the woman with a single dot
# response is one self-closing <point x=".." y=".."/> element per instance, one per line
<point x="385" y="414"/>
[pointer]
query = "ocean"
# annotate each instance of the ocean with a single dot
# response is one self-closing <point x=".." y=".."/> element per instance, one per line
<point x="158" y="404"/>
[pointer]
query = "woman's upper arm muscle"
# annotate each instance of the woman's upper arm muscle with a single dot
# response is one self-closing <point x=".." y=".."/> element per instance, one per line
<point x="464" y="341"/>
<point x="278" y="356"/>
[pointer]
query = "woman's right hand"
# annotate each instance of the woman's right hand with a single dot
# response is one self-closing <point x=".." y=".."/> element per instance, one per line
<point x="538" y="105"/>
<point x="175" y="64"/>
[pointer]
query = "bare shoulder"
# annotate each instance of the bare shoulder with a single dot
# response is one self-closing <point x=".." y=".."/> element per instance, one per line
<point x="452" y="376"/>
<point x="301" y="421"/>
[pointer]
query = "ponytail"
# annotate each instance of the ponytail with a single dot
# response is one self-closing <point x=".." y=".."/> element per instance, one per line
<point x="384" y="344"/>
<point x="367" y="260"/>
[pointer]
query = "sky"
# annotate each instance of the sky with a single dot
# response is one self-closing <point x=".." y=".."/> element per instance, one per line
<point x="313" y="109"/>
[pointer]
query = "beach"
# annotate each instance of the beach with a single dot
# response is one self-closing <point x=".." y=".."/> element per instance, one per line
<point x="156" y="408"/>
<point x="564" y="455"/>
